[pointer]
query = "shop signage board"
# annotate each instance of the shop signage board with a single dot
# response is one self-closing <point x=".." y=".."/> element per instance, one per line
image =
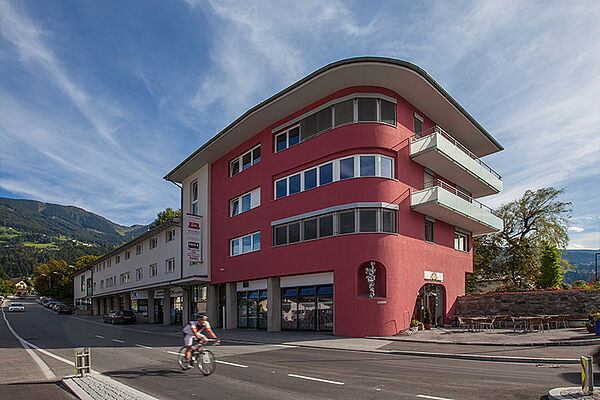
<point x="434" y="276"/>
<point x="176" y="292"/>
<point x="193" y="237"/>
<point x="139" y="294"/>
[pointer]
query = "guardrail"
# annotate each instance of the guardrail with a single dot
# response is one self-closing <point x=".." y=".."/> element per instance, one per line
<point x="438" y="129"/>
<point x="453" y="190"/>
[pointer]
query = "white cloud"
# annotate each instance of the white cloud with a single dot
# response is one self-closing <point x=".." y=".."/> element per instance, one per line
<point x="575" y="246"/>
<point x="575" y="229"/>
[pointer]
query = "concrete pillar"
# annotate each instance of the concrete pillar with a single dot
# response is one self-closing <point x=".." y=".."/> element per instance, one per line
<point x="115" y="305"/>
<point x="167" y="306"/>
<point x="151" y="306"/>
<point x="231" y="305"/>
<point x="273" y="304"/>
<point x="212" y="304"/>
<point x="95" y="307"/>
<point x="101" y="306"/>
<point x="127" y="301"/>
<point x="187" y="305"/>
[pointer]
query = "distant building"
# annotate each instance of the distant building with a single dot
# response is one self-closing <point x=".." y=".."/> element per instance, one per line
<point x="344" y="203"/>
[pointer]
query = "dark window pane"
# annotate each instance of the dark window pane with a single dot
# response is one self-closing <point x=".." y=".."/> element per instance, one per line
<point x="280" y="234"/>
<point x="294" y="183"/>
<point x="367" y="109"/>
<point x="429" y="231"/>
<point x="326" y="226"/>
<point x="326" y="174"/>
<point x="294" y="232"/>
<point x="310" y="179"/>
<point x="235" y="167"/>
<point x="292" y="292"/>
<point x="246" y="244"/>
<point x="367" y="165"/>
<point x="347" y="222"/>
<point x="256" y="241"/>
<point x="235" y="207"/>
<point x="246" y="202"/>
<point x="389" y="221"/>
<point x="347" y="168"/>
<point x="344" y="112"/>
<point x="418" y="125"/>
<point x="294" y="136"/>
<point x="246" y="160"/>
<point x="325" y="291"/>
<point x="388" y="112"/>
<point x="308" y="127"/>
<point x="281" y="188"/>
<point x="307" y="291"/>
<point x="280" y="142"/>
<point x="256" y="155"/>
<point x="324" y="120"/>
<point x="310" y="229"/>
<point x="367" y="220"/>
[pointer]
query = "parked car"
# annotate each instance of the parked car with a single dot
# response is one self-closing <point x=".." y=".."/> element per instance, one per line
<point x="64" y="309"/>
<point x="16" y="307"/>
<point x="120" y="317"/>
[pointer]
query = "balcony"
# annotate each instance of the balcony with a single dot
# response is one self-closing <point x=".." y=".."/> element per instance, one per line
<point x="437" y="150"/>
<point x="447" y="204"/>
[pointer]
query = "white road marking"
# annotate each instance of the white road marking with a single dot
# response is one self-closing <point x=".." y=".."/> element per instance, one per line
<point x="284" y="345"/>
<point x="118" y="341"/>
<point x="230" y="363"/>
<point x="424" y="396"/>
<point x="315" y="379"/>
<point x="145" y="347"/>
<point x="101" y="337"/>
<point x="26" y="345"/>
<point x="172" y="352"/>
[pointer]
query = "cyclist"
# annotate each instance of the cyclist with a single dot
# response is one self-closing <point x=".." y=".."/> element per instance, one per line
<point x="194" y="330"/>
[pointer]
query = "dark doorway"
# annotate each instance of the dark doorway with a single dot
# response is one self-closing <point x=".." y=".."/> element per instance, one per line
<point x="158" y="311"/>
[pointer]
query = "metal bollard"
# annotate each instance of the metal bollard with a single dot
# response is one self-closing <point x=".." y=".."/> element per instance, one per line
<point x="587" y="375"/>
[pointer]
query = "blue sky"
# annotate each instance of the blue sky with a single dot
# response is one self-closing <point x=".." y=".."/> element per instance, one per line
<point x="98" y="100"/>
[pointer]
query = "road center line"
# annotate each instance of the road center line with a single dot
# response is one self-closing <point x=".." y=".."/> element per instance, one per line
<point x="145" y="347"/>
<point x="315" y="379"/>
<point x="232" y="364"/>
<point x="101" y="337"/>
<point x="118" y="341"/>
<point x="26" y="345"/>
<point x="424" y="396"/>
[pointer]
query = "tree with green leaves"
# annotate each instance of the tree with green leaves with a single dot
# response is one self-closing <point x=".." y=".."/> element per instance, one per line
<point x="166" y="215"/>
<point x="550" y="270"/>
<point x="81" y="262"/>
<point x="514" y="254"/>
<point x="52" y="279"/>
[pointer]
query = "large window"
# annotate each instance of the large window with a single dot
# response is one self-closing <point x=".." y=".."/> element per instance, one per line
<point x="153" y="243"/>
<point x="307" y="308"/>
<point x="152" y="270"/>
<point x="139" y="274"/>
<point x="356" y="166"/>
<point x="170" y="235"/>
<point x="461" y="241"/>
<point x="244" y="161"/>
<point x="244" y="244"/>
<point x="354" y="220"/>
<point x="417" y="125"/>
<point x="245" y="202"/>
<point x="170" y="267"/>
<point x="139" y="249"/>
<point x="360" y="109"/>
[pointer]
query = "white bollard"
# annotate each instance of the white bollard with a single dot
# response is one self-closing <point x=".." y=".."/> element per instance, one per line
<point x="587" y="375"/>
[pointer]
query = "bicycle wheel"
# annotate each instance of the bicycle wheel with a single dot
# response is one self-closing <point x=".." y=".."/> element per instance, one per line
<point x="181" y="358"/>
<point x="206" y="362"/>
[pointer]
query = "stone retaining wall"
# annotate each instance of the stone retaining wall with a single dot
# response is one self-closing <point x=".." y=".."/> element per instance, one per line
<point x="576" y="303"/>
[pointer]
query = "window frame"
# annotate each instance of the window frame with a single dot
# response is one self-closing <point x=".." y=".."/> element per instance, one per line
<point x="240" y="161"/>
<point x="465" y="239"/>
<point x="139" y="274"/>
<point x="431" y="223"/>
<point x="152" y="270"/>
<point x="194" y="197"/>
<point x="240" y="247"/>
<point x="254" y="200"/>
<point x="170" y="261"/>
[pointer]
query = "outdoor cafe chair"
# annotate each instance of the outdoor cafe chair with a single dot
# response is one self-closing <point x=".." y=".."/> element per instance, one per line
<point x="519" y="322"/>
<point x="559" y="320"/>
<point x="487" y="322"/>
<point x="537" y="321"/>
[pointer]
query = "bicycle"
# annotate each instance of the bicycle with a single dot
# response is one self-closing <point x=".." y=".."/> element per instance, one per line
<point x="200" y="356"/>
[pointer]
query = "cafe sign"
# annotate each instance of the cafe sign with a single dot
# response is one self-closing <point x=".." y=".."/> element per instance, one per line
<point x="434" y="276"/>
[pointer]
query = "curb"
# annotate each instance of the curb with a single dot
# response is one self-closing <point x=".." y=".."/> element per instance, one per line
<point x="575" y="342"/>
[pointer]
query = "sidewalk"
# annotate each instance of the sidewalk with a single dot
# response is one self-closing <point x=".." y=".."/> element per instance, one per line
<point x="551" y="347"/>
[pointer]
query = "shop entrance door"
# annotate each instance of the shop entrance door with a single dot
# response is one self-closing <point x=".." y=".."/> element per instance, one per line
<point x="431" y="296"/>
<point x="253" y="310"/>
<point x="158" y="311"/>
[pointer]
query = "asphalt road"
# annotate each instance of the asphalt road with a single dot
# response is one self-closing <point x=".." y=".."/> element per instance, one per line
<point x="145" y="362"/>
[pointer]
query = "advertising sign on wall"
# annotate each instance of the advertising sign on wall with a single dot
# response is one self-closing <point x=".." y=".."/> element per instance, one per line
<point x="193" y="237"/>
<point x="434" y="276"/>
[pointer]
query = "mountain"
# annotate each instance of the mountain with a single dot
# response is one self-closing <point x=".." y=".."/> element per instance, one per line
<point x="583" y="260"/>
<point x="31" y="217"/>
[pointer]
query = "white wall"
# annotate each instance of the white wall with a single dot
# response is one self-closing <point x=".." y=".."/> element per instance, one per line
<point x="77" y="292"/>
<point x="203" y="177"/>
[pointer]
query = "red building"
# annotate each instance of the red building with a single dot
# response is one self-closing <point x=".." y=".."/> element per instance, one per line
<point x="345" y="203"/>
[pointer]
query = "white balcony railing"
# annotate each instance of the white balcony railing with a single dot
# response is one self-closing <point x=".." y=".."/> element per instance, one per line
<point x="438" y="129"/>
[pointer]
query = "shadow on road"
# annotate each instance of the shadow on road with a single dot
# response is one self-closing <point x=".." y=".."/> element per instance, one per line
<point x="143" y="372"/>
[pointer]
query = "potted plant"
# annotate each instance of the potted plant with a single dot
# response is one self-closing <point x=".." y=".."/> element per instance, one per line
<point x="416" y="324"/>
<point x="427" y="319"/>
<point x="595" y="317"/>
